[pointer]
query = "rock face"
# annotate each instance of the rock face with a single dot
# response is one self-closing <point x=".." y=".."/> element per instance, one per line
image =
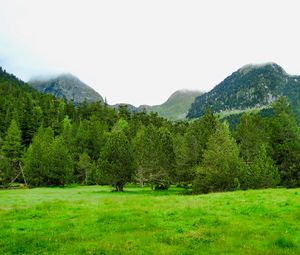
<point x="177" y="105"/>
<point x="252" y="86"/>
<point x="66" y="86"/>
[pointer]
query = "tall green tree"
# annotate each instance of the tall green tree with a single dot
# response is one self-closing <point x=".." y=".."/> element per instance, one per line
<point x="148" y="154"/>
<point x="262" y="173"/>
<point x="285" y="142"/>
<point x="90" y="137"/>
<point x="116" y="160"/>
<point x="60" y="163"/>
<point x="167" y="156"/>
<point x="141" y="155"/>
<point x="251" y="132"/>
<point x="5" y="175"/>
<point x="221" y="168"/>
<point x="197" y="136"/>
<point x="86" y="170"/>
<point x="36" y="158"/>
<point x="184" y="173"/>
<point x="12" y="150"/>
<point x="195" y="143"/>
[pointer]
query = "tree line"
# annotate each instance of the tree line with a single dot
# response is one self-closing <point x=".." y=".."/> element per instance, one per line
<point x="54" y="142"/>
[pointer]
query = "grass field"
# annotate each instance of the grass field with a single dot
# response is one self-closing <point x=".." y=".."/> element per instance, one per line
<point x="93" y="220"/>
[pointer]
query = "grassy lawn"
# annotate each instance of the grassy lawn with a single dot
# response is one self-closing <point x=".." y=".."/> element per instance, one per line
<point x="93" y="220"/>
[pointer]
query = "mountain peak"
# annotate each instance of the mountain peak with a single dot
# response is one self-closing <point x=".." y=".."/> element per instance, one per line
<point x="65" y="86"/>
<point x="271" y="66"/>
<point x="182" y="94"/>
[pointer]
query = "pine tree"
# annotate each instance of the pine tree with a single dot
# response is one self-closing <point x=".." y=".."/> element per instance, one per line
<point x="116" y="160"/>
<point x="12" y="149"/>
<point x="147" y="154"/>
<point x="285" y="142"/>
<point x="122" y="125"/>
<point x="60" y="163"/>
<point x="90" y="137"/>
<point x="196" y="138"/>
<point x="5" y="175"/>
<point x="141" y="152"/>
<point x="251" y="133"/>
<point x="262" y="173"/>
<point x="221" y="167"/>
<point x="167" y="158"/>
<point x="184" y="174"/>
<point x="36" y="158"/>
<point x="86" y="170"/>
<point x="195" y="143"/>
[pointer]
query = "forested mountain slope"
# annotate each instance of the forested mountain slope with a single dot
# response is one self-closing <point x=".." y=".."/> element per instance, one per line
<point x="252" y="86"/>
<point x="32" y="109"/>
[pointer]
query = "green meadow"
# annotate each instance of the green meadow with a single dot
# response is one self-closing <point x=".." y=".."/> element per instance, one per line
<point x="94" y="220"/>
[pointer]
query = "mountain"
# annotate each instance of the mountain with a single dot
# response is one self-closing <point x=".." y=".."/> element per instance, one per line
<point x="252" y="86"/>
<point x="177" y="105"/>
<point x="66" y="86"/>
<point x="70" y="87"/>
<point x="129" y="107"/>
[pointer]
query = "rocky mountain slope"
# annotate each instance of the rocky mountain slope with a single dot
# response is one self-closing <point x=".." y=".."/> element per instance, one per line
<point x="66" y="86"/>
<point x="252" y="86"/>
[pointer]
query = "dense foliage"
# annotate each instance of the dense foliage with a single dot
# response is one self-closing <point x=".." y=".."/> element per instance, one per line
<point x="46" y="141"/>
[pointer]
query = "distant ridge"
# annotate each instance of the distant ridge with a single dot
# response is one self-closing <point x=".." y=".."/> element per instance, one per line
<point x="177" y="105"/>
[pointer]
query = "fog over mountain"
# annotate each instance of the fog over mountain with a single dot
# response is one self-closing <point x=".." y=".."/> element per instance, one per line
<point x="66" y="86"/>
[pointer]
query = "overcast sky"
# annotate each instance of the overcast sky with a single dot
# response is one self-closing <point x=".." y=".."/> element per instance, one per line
<point x="140" y="52"/>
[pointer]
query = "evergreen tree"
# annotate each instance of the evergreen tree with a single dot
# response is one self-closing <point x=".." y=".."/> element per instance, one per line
<point x="12" y="150"/>
<point x="5" y="175"/>
<point x="86" y="170"/>
<point x="60" y="163"/>
<point x="167" y="156"/>
<point x="197" y="136"/>
<point x="285" y="142"/>
<point x="262" y="173"/>
<point x="192" y="152"/>
<point x="90" y="137"/>
<point x="147" y="154"/>
<point x="141" y="151"/>
<point x="184" y="174"/>
<point x="30" y="118"/>
<point x="195" y="143"/>
<point x="124" y="112"/>
<point x="122" y="125"/>
<point x="116" y="160"/>
<point x="221" y="168"/>
<point x="36" y="158"/>
<point x="251" y="133"/>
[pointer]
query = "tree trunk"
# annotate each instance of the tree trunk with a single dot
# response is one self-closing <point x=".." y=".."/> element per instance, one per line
<point x="119" y="187"/>
<point x="142" y="183"/>
<point x="152" y="186"/>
